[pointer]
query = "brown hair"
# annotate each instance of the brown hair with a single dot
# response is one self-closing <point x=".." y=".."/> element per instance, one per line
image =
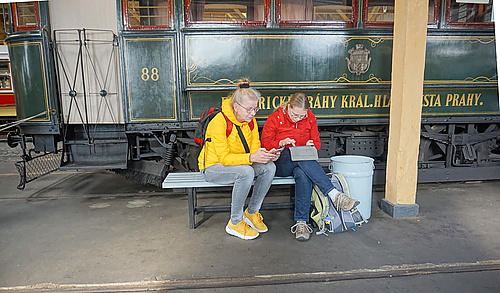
<point x="297" y="100"/>
<point x="244" y="92"/>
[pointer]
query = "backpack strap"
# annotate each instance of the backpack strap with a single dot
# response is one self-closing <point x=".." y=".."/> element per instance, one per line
<point x="243" y="140"/>
<point x="320" y="209"/>
<point x="343" y="183"/>
<point x="251" y="124"/>
<point x="229" y="125"/>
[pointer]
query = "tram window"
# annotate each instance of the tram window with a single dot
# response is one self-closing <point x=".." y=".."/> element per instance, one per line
<point x="147" y="14"/>
<point x="239" y="12"/>
<point x="462" y="13"/>
<point x="4" y="75"/>
<point x="25" y="16"/>
<point x="316" y="12"/>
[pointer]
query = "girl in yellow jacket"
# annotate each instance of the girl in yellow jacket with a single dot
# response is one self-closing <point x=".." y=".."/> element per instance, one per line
<point x="225" y="159"/>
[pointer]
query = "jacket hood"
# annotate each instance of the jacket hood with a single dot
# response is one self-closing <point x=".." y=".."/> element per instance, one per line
<point x="227" y="108"/>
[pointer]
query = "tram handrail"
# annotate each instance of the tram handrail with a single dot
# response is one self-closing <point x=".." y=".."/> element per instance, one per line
<point x="11" y="124"/>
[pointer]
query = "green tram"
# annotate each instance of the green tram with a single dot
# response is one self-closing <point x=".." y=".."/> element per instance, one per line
<point x="120" y="84"/>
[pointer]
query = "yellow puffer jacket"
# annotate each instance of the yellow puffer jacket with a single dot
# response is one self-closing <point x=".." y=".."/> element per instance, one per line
<point x="228" y="151"/>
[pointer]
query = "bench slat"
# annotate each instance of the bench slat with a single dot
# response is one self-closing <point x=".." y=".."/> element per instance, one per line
<point x="196" y="179"/>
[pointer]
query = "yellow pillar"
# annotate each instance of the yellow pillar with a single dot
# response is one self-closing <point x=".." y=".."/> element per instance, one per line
<point x="408" y="62"/>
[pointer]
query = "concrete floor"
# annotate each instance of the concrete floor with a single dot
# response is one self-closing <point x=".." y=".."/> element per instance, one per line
<point x="95" y="231"/>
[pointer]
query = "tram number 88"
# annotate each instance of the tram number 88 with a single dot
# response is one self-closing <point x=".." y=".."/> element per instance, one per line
<point x="154" y="76"/>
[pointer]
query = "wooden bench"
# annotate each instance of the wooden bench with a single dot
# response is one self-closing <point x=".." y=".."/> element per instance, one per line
<point x="191" y="181"/>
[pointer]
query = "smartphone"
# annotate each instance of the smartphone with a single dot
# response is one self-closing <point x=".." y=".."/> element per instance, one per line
<point x="275" y="151"/>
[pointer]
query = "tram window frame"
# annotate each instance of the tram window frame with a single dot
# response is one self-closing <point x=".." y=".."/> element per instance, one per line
<point x="471" y="25"/>
<point x="134" y="27"/>
<point x="431" y="24"/>
<point x="25" y="27"/>
<point x="366" y="14"/>
<point x="189" y="22"/>
<point x="299" y="23"/>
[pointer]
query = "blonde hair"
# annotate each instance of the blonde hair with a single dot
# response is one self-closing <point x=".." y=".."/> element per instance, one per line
<point x="244" y="92"/>
<point x="296" y="100"/>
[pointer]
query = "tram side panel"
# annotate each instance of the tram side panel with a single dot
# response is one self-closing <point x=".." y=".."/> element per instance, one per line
<point x="34" y="100"/>
<point x="354" y="69"/>
<point x="150" y="79"/>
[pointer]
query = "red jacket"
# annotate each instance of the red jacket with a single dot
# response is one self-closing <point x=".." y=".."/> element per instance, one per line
<point x="279" y="126"/>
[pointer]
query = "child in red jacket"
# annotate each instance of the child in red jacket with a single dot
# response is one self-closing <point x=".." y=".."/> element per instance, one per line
<point x="293" y="124"/>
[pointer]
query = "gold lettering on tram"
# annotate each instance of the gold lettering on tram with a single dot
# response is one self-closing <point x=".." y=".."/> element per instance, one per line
<point x="361" y="100"/>
<point x="432" y="100"/>
<point x="463" y="100"/>
<point x="382" y="101"/>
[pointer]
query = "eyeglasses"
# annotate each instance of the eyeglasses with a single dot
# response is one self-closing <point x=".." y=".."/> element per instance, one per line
<point x="250" y="110"/>
<point x="296" y="116"/>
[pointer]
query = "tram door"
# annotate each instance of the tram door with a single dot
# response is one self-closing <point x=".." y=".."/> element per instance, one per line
<point x="87" y="64"/>
<point x="86" y="54"/>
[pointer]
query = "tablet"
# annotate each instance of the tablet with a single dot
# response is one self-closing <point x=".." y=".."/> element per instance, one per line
<point x="303" y="153"/>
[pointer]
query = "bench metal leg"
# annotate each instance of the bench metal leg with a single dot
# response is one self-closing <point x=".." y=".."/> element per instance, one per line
<point x="194" y="209"/>
<point x="191" y="207"/>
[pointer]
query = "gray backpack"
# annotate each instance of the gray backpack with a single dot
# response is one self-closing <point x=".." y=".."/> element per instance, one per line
<point x="328" y="218"/>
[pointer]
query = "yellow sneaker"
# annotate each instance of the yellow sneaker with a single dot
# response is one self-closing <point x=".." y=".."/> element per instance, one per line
<point x="241" y="230"/>
<point x="255" y="221"/>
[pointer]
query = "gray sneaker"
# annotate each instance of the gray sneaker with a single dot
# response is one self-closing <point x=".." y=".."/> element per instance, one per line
<point x="344" y="202"/>
<point x="301" y="230"/>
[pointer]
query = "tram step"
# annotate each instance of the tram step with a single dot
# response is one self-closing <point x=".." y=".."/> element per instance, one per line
<point x="92" y="166"/>
<point x="105" y="154"/>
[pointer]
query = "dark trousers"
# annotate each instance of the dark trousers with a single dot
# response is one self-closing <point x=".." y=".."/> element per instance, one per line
<point x="305" y="174"/>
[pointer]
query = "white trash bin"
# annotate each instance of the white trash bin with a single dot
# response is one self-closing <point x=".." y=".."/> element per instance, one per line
<point x="358" y="172"/>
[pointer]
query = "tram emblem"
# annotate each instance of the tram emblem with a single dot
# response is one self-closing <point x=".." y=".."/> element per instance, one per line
<point x="359" y="62"/>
